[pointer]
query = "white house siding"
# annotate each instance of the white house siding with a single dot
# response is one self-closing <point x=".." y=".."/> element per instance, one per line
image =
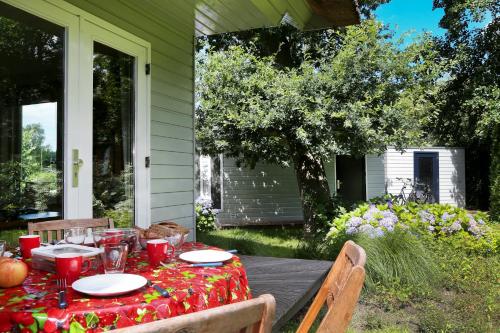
<point x="451" y="172"/>
<point x="169" y="29"/>
<point x="265" y="195"/>
<point x="375" y="175"/>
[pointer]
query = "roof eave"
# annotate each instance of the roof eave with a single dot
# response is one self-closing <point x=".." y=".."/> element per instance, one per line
<point x="332" y="13"/>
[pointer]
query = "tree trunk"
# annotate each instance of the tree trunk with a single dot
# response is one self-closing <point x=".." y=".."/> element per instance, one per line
<point x="314" y="192"/>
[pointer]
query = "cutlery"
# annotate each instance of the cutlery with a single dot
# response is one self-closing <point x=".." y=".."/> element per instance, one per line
<point x="204" y="264"/>
<point x="232" y="251"/>
<point x="159" y="289"/>
<point x="61" y="295"/>
<point x="201" y="264"/>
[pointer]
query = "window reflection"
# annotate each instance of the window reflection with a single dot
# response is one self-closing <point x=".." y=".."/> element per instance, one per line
<point x="31" y="116"/>
<point x="113" y="135"/>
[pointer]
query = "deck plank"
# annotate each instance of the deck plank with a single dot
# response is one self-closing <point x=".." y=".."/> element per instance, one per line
<point x="293" y="282"/>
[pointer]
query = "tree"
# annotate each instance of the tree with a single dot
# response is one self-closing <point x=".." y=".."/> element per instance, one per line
<point x="34" y="154"/>
<point x="469" y="108"/>
<point x="355" y="96"/>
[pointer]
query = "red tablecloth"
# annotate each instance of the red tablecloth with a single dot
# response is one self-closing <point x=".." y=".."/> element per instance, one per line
<point x="33" y="306"/>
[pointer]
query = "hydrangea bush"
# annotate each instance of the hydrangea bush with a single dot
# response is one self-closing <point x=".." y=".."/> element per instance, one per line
<point x="205" y="215"/>
<point x="445" y="223"/>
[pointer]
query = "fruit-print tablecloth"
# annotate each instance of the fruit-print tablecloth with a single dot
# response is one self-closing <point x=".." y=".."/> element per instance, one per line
<point x="33" y="307"/>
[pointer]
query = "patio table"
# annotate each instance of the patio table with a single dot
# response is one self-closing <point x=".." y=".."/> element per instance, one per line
<point x="33" y="307"/>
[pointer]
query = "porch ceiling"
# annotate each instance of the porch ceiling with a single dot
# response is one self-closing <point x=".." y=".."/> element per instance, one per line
<point x="218" y="16"/>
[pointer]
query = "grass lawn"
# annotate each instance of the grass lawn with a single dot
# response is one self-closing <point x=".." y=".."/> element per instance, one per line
<point x="280" y="242"/>
<point x="12" y="236"/>
<point x="467" y="300"/>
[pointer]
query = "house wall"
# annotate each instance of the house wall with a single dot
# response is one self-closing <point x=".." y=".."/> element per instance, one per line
<point x="170" y="33"/>
<point x="451" y="172"/>
<point x="265" y="195"/>
<point x="375" y="175"/>
<point x="269" y="194"/>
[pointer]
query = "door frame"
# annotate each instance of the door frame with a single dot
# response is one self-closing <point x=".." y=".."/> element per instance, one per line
<point x="435" y="170"/>
<point x="91" y="32"/>
<point x="76" y="23"/>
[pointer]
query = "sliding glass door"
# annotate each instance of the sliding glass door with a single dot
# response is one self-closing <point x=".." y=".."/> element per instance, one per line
<point x="32" y="78"/>
<point x="73" y="117"/>
<point x="114" y="91"/>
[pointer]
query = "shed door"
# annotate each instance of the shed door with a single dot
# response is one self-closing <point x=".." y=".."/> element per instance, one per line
<point x="350" y="175"/>
<point x="426" y="175"/>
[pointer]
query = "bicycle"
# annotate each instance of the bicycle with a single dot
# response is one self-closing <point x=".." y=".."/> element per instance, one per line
<point x="415" y="195"/>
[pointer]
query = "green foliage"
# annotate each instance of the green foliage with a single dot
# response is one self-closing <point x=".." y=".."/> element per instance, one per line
<point x="355" y="93"/>
<point x="469" y="301"/>
<point x="495" y="177"/>
<point x="353" y="102"/>
<point x="397" y="258"/>
<point x="205" y="216"/>
<point x="468" y="107"/>
<point x="455" y="226"/>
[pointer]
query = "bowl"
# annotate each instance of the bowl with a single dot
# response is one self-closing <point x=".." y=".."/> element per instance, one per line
<point x="116" y="236"/>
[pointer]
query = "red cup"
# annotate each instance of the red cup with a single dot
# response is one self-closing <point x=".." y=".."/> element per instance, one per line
<point x="69" y="266"/>
<point x="27" y="243"/>
<point x="158" y="251"/>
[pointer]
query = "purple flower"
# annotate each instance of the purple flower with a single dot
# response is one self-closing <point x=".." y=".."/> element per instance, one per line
<point x="456" y="226"/>
<point x="447" y="216"/>
<point x="351" y="230"/>
<point x="354" y="221"/>
<point x="425" y="216"/>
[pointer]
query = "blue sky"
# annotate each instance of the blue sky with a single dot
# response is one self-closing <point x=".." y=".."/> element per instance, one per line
<point x="411" y="15"/>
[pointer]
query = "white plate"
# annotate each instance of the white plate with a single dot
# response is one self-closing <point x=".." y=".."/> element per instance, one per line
<point x="109" y="284"/>
<point x="202" y="256"/>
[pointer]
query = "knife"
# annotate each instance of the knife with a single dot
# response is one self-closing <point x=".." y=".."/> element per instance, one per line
<point x="159" y="289"/>
<point x="63" y="304"/>
<point x="206" y="264"/>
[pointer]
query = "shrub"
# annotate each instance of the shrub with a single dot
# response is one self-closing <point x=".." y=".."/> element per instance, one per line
<point x="369" y="219"/>
<point x="396" y="260"/>
<point x="205" y="215"/>
<point x="456" y="226"/>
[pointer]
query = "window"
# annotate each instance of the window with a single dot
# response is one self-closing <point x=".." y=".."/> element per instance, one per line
<point x="74" y="116"/>
<point x="31" y="116"/>
<point x="211" y="182"/>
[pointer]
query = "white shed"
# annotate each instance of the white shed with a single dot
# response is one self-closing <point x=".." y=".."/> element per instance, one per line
<point x="269" y="194"/>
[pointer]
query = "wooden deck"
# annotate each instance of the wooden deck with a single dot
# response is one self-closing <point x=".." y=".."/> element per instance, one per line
<point x="293" y="282"/>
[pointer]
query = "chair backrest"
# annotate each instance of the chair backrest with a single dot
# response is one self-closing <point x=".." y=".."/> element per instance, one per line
<point x="49" y="228"/>
<point x="340" y="291"/>
<point x="252" y="316"/>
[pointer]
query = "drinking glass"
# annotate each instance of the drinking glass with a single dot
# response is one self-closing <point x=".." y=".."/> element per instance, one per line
<point x="114" y="257"/>
<point x="3" y="245"/>
<point x="75" y="235"/>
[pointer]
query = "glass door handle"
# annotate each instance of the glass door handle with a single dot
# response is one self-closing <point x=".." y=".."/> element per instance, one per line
<point x="77" y="164"/>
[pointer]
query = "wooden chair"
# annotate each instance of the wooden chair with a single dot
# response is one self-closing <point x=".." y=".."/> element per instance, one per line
<point x="253" y="316"/>
<point x="340" y="291"/>
<point x="58" y="226"/>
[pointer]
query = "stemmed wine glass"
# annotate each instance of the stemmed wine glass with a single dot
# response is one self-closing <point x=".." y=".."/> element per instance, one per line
<point x="75" y="235"/>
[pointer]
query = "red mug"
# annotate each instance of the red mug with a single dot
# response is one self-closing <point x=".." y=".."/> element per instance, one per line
<point x="27" y="243"/>
<point x="158" y="251"/>
<point x="69" y="266"/>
